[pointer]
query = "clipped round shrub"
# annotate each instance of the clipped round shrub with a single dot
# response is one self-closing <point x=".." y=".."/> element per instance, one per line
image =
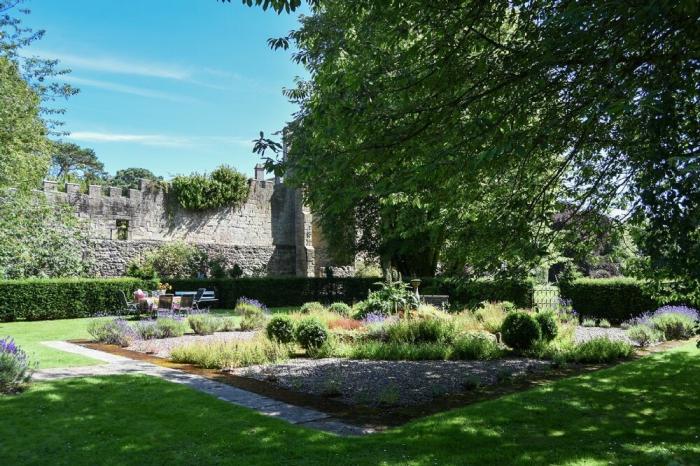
<point x="520" y="330"/>
<point x="340" y="308"/>
<point x="311" y="333"/>
<point x="644" y="335"/>
<point x="311" y="307"/>
<point x="548" y="325"/>
<point x="281" y="329"/>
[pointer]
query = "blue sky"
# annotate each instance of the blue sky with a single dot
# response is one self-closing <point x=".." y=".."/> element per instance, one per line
<point x="174" y="86"/>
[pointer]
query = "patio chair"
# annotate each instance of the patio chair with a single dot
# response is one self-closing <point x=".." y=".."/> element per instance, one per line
<point x="128" y="307"/>
<point x="186" y="304"/>
<point x="203" y="300"/>
<point x="165" y="304"/>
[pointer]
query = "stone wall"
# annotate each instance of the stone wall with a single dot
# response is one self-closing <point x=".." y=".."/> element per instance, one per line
<point x="269" y="233"/>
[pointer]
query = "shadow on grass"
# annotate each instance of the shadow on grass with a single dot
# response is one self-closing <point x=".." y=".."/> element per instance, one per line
<point x="641" y="412"/>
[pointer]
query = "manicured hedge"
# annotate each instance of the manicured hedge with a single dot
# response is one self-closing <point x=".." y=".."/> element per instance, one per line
<point x="615" y="299"/>
<point x="471" y="292"/>
<point x="280" y="291"/>
<point x="295" y="291"/>
<point x="43" y="299"/>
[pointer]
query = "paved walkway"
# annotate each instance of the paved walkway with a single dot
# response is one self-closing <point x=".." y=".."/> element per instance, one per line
<point x="117" y="365"/>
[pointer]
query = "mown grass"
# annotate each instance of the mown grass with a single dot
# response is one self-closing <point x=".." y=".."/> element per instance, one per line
<point x="29" y="336"/>
<point x="640" y="412"/>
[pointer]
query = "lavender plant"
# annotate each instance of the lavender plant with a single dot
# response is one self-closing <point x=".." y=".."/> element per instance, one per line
<point x="112" y="332"/>
<point x="15" y="368"/>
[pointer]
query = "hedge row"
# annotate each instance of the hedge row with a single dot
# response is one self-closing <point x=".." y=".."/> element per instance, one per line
<point x="280" y="291"/>
<point x="615" y="299"/>
<point x="469" y="293"/>
<point x="295" y="291"/>
<point x="41" y="299"/>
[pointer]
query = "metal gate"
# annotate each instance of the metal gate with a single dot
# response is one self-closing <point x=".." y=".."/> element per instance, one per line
<point x="545" y="297"/>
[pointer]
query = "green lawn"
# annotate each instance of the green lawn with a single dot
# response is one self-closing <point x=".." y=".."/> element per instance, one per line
<point x="29" y="335"/>
<point x="640" y="412"/>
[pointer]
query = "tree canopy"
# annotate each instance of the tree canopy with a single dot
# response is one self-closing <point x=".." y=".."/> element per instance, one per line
<point x="129" y="177"/>
<point x="71" y="159"/>
<point x="24" y="149"/>
<point x="490" y="117"/>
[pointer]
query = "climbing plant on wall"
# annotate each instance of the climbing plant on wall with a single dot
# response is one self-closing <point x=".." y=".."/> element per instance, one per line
<point x="224" y="187"/>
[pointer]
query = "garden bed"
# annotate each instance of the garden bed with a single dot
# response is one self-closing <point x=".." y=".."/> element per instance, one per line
<point x="390" y="383"/>
<point x="583" y="334"/>
<point x="163" y="346"/>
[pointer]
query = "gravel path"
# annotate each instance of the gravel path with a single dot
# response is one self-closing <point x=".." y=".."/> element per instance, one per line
<point x="162" y="347"/>
<point x="588" y="333"/>
<point x="386" y="382"/>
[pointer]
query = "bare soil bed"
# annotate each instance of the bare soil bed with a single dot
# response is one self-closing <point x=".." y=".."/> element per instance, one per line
<point x="392" y="383"/>
<point x="162" y="347"/>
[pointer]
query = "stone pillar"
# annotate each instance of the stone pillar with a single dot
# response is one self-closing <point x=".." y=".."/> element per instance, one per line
<point x="72" y="188"/>
<point x="134" y="194"/>
<point x="303" y="222"/>
<point x="115" y="192"/>
<point x="259" y="172"/>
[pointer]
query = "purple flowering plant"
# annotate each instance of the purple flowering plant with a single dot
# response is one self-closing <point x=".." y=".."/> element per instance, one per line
<point x="15" y="368"/>
<point x="245" y="301"/>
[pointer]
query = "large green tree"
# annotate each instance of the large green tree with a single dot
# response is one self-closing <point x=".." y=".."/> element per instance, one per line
<point x="24" y="149"/>
<point x="69" y="159"/>
<point x="492" y="116"/>
<point x="129" y="177"/>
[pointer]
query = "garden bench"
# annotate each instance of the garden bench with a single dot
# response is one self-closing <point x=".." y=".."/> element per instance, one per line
<point x="441" y="301"/>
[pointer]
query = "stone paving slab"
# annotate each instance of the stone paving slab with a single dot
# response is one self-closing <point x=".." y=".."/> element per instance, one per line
<point x="119" y="365"/>
<point x="87" y="352"/>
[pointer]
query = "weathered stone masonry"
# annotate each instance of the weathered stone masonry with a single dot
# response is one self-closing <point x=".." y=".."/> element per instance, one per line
<point x="270" y="233"/>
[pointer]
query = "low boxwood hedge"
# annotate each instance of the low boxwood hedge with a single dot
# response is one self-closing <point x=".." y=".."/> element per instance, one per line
<point x="64" y="298"/>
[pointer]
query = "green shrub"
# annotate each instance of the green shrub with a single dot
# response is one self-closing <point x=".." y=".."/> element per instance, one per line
<point x="146" y="330"/>
<point x="604" y="323"/>
<point x="644" y="335"/>
<point x="600" y="350"/>
<point x="224" y="187"/>
<point x="228" y="324"/>
<point x="231" y="353"/>
<point x="253" y="317"/>
<point x="548" y="325"/>
<point x="310" y="333"/>
<point x="674" y="326"/>
<point x="112" y="331"/>
<point x="615" y="299"/>
<point x="475" y="346"/>
<point x="65" y="298"/>
<point x="170" y="260"/>
<point x="204" y="324"/>
<point x="491" y="316"/>
<point x="588" y="323"/>
<point x="340" y="308"/>
<point x="15" y="368"/>
<point x="311" y="307"/>
<point x="169" y="328"/>
<point x="420" y="331"/>
<point x="520" y="330"/>
<point x="281" y="329"/>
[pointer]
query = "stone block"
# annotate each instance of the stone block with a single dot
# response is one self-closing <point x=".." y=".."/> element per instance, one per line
<point x="95" y="190"/>
<point x="49" y="186"/>
<point x="72" y="188"/>
<point x="115" y="192"/>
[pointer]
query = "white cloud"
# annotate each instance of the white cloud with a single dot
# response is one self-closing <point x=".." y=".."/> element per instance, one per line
<point x="126" y="89"/>
<point x="164" y="140"/>
<point x="144" y="139"/>
<point x="119" y="66"/>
